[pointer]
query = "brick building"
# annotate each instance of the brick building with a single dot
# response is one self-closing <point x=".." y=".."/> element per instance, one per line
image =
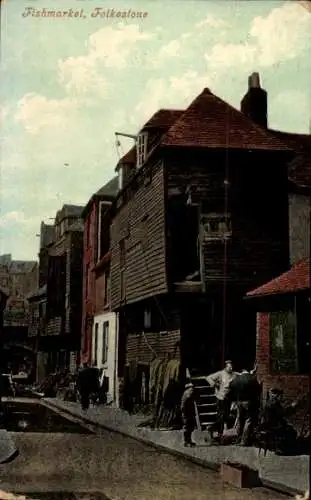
<point x="283" y="308"/>
<point x="37" y="300"/>
<point x="93" y="249"/>
<point x="105" y="326"/>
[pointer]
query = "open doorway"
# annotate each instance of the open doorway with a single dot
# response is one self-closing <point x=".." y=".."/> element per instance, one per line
<point x="183" y="238"/>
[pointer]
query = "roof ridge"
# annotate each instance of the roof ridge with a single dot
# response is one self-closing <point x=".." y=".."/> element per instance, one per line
<point x="264" y="133"/>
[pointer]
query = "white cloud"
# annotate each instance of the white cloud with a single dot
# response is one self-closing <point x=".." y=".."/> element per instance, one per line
<point x="80" y="75"/>
<point x="231" y="56"/>
<point x="11" y="218"/>
<point x="278" y="37"/>
<point x="107" y="48"/>
<point x="200" y="35"/>
<point x="282" y="34"/>
<point x="172" y="49"/>
<point x="36" y="112"/>
<point x="113" y="46"/>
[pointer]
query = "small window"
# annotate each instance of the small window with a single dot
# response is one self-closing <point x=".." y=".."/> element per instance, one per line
<point x="216" y="227"/>
<point x="141" y="149"/>
<point x="147" y="319"/>
<point x="105" y="342"/>
<point x="67" y="301"/>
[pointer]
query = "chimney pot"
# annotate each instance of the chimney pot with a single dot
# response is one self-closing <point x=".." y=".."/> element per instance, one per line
<point x="254" y="81"/>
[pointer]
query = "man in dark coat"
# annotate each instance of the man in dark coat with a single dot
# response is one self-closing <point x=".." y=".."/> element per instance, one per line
<point x="87" y="384"/>
<point x="188" y="414"/>
<point x="245" y="391"/>
<point x="274" y="420"/>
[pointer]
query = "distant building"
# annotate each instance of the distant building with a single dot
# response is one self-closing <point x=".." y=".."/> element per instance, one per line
<point x="56" y="306"/>
<point x="105" y="326"/>
<point x="19" y="278"/>
<point x="94" y="247"/>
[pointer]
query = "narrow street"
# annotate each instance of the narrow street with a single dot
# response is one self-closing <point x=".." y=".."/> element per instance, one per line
<point x="61" y="460"/>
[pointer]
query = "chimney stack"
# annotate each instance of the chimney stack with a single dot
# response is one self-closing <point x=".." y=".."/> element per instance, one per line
<point x="255" y="104"/>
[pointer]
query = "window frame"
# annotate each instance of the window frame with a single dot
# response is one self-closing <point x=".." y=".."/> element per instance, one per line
<point x="141" y="148"/>
<point x="105" y="345"/>
<point x="216" y="234"/>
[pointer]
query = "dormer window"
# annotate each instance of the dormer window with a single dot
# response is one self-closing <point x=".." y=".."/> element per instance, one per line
<point x="141" y="148"/>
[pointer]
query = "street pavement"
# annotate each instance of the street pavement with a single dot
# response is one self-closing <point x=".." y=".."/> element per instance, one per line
<point x="108" y="466"/>
<point x="290" y="473"/>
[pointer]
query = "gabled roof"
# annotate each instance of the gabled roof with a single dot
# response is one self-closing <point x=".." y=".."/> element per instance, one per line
<point x="47" y="234"/>
<point x="129" y="157"/>
<point x="163" y="119"/>
<point x="69" y="211"/>
<point x="298" y="142"/>
<point x="205" y="124"/>
<point x="294" y="280"/>
<point x="110" y="189"/>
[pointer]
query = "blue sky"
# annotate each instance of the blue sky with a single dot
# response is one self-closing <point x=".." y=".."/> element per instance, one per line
<point x="68" y="84"/>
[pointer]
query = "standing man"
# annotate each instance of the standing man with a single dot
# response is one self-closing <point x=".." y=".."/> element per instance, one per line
<point x="188" y="414"/>
<point x="85" y="385"/>
<point x="245" y="392"/>
<point x="221" y="382"/>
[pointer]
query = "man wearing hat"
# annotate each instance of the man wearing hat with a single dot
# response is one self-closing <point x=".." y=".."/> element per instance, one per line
<point x="188" y="413"/>
<point x="221" y="382"/>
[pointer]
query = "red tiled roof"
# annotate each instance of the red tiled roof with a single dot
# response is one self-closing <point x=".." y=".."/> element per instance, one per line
<point x="163" y="118"/>
<point x="299" y="170"/>
<point x="297" y="278"/>
<point x="129" y="157"/>
<point x="298" y="142"/>
<point x="205" y="123"/>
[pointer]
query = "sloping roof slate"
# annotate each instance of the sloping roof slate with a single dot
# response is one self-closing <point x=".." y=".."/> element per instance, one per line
<point x="205" y="124"/>
<point x="298" y="142"/>
<point x="72" y="210"/>
<point x="294" y="280"/>
<point x="163" y="118"/>
<point x="110" y="189"/>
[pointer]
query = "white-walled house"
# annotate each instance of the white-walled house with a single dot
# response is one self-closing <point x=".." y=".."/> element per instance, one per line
<point x="105" y="350"/>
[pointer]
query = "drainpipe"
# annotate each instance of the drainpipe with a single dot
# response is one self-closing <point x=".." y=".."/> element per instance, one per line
<point x="116" y="384"/>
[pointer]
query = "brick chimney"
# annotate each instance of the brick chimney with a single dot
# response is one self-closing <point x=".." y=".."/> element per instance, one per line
<point x="254" y="104"/>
